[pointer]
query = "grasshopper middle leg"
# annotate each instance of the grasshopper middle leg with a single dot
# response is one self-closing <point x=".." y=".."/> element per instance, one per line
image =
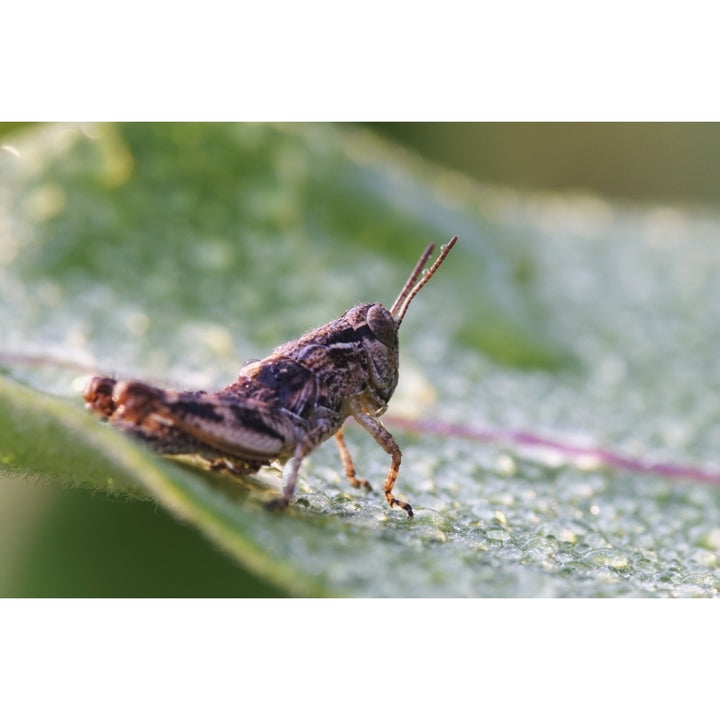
<point x="348" y="465"/>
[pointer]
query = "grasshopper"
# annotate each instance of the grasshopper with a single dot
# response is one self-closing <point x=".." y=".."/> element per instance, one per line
<point x="281" y="408"/>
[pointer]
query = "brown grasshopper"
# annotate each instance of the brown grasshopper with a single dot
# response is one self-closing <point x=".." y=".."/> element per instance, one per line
<point x="284" y="406"/>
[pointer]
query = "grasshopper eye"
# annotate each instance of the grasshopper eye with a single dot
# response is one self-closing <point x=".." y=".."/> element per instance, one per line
<point x="382" y="325"/>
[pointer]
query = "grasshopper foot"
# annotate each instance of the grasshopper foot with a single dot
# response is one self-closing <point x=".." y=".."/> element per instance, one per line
<point x="360" y="483"/>
<point x="394" y="502"/>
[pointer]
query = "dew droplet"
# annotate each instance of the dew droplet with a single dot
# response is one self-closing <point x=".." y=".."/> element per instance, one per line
<point x="606" y="557"/>
<point x="497" y="534"/>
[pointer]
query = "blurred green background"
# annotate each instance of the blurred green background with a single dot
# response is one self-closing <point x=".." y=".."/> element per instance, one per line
<point x="648" y="163"/>
<point x="653" y="162"/>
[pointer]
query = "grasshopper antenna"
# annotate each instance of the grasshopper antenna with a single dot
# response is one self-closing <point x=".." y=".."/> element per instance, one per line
<point x="411" y="287"/>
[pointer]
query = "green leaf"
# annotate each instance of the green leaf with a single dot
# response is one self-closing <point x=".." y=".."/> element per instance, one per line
<point x="175" y="252"/>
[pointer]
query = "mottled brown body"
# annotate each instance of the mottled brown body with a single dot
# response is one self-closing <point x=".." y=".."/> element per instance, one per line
<point x="284" y="406"/>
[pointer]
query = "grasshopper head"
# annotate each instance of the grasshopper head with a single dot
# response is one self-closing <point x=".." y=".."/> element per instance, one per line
<point x="373" y="327"/>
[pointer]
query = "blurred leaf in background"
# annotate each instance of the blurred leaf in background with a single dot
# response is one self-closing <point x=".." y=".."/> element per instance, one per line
<point x="176" y="252"/>
<point x="650" y="162"/>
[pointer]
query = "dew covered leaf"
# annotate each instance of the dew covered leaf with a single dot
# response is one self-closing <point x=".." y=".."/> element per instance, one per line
<point x="174" y="253"/>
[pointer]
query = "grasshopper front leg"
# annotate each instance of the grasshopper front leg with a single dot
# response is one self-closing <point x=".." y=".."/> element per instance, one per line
<point x="389" y="445"/>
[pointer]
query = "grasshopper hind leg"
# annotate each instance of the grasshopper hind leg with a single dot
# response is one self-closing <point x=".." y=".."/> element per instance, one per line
<point x="305" y="446"/>
<point x="130" y="406"/>
<point x="98" y="396"/>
